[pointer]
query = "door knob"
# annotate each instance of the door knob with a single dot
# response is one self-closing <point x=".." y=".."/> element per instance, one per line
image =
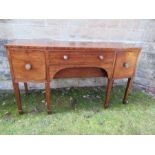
<point x="65" y="57"/>
<point x="28" y="66"/>
<point x="126" y="65"/>
<point x="101" y="57"/>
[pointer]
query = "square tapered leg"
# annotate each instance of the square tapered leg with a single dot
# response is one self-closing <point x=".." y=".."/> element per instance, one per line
<point x="18" y="98"/>
<point x="128" y="88"/>
<point x="48" y="101"/>
<point x="108" y="92"/>
<point x="26" y="88"/>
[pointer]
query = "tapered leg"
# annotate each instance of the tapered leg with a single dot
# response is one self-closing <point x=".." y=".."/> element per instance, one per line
<point x="108" y="91"/>
<point x="128" y="87"/>
<point x="113" y="84"/>
<point x="26" y="88"/>
<point x="47" y="91"/>
<point x="17" y="96"/>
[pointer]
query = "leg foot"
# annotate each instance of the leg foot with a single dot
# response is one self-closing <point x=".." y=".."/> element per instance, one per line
<point x="125" y="101"/>
<point x="49" y="112"/>
<point x="105" y="106"/>
<point x="20" y="112"/>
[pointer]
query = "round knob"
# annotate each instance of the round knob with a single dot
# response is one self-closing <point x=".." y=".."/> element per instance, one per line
<point x="101" y="57"/>
<point x="65" y="57"/>
<point x="28" y="66"/>
<point x="126" y="65"/>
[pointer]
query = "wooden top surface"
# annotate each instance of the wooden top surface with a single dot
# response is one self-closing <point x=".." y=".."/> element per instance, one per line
<point x="69" y="44"/>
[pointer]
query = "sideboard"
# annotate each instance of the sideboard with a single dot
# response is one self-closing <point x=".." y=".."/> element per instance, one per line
<point x="42" y="61"/>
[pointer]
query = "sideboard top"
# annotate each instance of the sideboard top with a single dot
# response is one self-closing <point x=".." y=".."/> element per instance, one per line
<point x="69" y="44"/>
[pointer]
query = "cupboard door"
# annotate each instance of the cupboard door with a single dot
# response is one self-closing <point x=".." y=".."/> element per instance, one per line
<point x="125" y="64"/>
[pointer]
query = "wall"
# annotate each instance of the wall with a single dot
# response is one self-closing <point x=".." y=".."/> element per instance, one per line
<point x="141" y="32"/>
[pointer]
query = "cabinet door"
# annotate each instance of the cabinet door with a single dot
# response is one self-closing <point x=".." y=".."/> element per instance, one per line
<point x="28" y="65"/>
<point x="125" y="64"/>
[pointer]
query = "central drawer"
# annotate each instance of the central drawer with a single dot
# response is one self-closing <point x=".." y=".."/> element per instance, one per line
<point x="82" y="57"/>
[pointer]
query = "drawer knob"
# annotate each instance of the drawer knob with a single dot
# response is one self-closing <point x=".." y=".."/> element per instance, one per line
<point x="28" y="66"/>
<point x="66" y="57"/>
<point x="101" y="57"/>
<point x="126" y="65"/>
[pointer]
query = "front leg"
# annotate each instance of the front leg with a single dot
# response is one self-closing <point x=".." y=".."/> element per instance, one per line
<point x="128" y="87"/>
<point x="47" y="91"/>
<point x="17" y="96"/>
<point x="108" y="92"/>
<point x="26" y="88"/>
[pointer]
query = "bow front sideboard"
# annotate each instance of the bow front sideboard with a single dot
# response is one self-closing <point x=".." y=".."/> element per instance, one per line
<point x="42" y="61"/>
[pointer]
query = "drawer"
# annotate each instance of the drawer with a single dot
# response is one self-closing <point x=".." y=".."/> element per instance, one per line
<point x="28" y="65"/>
<point x="82" y="57"/>
<point x="125" y="64"/>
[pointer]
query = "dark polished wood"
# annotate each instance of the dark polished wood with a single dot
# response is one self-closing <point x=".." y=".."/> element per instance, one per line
<point x="44" y="60"/>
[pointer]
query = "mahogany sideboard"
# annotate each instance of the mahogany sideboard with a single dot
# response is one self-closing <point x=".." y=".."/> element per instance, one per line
<point x="41" y="61"/>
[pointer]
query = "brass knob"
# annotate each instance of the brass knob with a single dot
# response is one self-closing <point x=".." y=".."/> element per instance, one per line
<point x="28" y="66"/>
<point x="101" y="57"/>
<point x="65" y="57"/>
<point x="126" y="65"/>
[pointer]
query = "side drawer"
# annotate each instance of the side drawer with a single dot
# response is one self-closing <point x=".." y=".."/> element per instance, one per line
<point x="125" y="64"/>
<point x="28" y="65"/>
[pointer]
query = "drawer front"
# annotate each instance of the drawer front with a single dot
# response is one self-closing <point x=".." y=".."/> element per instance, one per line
<point x="125" y="64"/>
<point x="28" y="65"/>
<point x="85" y="57"/>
